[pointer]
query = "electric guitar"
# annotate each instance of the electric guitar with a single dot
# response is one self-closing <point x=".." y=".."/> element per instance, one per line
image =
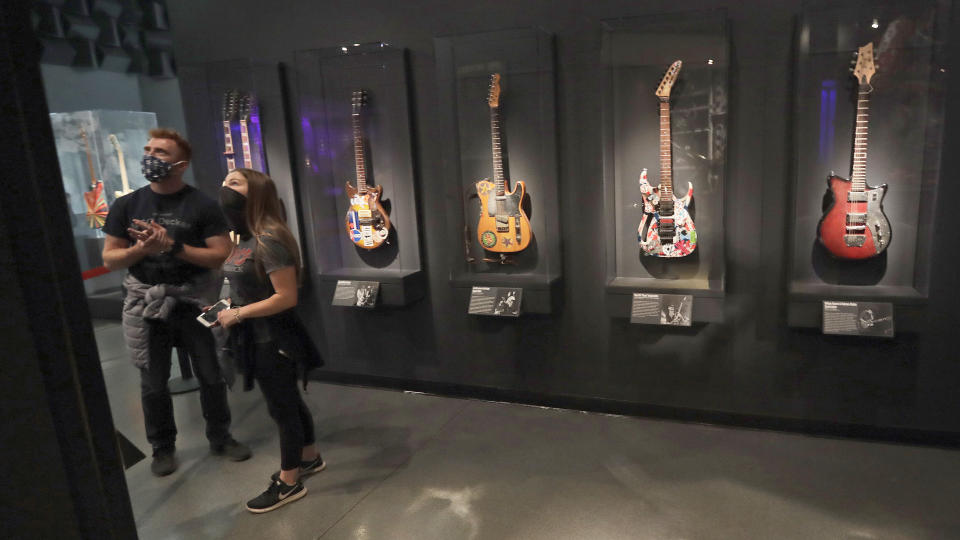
<point x="229" y="113"/>
<point x="246" y="109"/>
<point x="96" y="204"/>
<point x="666" y="228"/>
<point x="123" y="168"/>
<point x="854" y="226"/>
<point x="368" y="226"/>
<point x="504" y="226"/>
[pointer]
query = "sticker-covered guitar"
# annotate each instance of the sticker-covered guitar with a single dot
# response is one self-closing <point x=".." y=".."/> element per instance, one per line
<point x="368" y="226"/>
<point x="666" y="228"/>
<point x="504" y="226"/>
<point x="854" y="225"/>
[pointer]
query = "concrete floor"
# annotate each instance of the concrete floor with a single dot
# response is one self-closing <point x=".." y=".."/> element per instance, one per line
<point x="413" y="466"/>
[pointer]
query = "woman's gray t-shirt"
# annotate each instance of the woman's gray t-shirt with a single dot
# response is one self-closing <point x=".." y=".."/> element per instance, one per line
<point x="246" y="285"/>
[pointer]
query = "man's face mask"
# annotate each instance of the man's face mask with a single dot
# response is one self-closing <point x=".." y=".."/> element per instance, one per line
<point x="155" y="169"/>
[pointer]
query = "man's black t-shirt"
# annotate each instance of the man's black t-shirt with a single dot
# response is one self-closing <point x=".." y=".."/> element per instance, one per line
<point x="188" y="215"/>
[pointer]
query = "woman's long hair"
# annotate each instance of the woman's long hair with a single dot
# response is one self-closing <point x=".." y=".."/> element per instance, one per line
<point x="266" y="217"/>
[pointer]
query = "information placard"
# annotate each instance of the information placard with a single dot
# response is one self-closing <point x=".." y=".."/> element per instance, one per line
<point x="497" y="301"/>
<point x="665" y="309"/>
<point x="356" y="293"/>
<point x="858" y="318"/>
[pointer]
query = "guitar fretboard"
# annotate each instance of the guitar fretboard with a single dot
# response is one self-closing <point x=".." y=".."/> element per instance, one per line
<point x="666" y="159"/>
<point x="228" y="146"/>
<point x="497" y="154"/>
<point x="358" y="151"/>
<point x="860" y="135"/>
<point x="245" y="144"/>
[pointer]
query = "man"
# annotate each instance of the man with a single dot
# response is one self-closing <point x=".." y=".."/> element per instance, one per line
<point x="172" y="239"/>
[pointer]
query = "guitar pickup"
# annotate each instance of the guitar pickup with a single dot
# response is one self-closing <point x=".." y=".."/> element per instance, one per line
<point x="503" y="224"/>
<point x="857" y="196"/>
<point x="856" y="219"/>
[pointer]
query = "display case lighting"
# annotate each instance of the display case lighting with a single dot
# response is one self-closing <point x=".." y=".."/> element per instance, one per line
<point x="356" y="44"/>
<point x="344" y="49"/>
<point x="875" y="24"/>
<point x="710" y="61"/>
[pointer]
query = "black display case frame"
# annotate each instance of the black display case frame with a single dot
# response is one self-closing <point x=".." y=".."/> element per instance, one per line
<point x="525" y="59"/>
<point x="636" y="52"/>
<point x="324" y="81"/>
<point x="905" y="135"/>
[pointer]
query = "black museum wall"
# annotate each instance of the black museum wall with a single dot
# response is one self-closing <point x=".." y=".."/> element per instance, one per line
<point x="751" y="369"/>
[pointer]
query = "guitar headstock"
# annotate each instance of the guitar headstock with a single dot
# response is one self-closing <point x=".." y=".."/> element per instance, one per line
<point x="670" y="77"/>
<point x="244" y="105"/>
<point x="358" y="100"/>
<point x="230" y="105"/>
<point x="115" y="142"/>
<point x="864" y="68"/>
<point x="493" y="96"/>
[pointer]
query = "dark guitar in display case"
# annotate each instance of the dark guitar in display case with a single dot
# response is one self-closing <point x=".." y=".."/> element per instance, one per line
<point x="503" y="226"/>
<point x="368" y="225"/>
<point x="855" y="226"/>
<point x="666" y="229"/>
<point x="841" y="240"/>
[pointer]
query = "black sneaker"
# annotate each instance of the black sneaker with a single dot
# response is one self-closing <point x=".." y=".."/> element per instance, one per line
<point x="276" y="495"/>
<point x="306" y="468"/>
<point x="232" y="449"/>
<point x="164" y="462"/>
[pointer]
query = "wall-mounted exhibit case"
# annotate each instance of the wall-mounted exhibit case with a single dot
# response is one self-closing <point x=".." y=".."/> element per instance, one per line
<point x="666" y="123"/>
<point x="502" y="130"/>
<point x="225" y="104"/>
<point x="869" y="109"/>
<point x="353" y="119"/>
<point x="89" y="148"/>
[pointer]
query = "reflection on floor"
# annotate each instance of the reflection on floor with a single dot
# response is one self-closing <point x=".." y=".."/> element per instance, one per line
<point x="423" y="467"/>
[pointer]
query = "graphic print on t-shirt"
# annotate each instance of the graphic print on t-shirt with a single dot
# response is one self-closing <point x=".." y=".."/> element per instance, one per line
<point x="238" y="256"/>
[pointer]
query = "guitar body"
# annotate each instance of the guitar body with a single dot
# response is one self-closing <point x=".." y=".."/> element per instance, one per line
<point x="504" y="226"/>
<point x="367" y="223"/>
<point x="832" y="229"/>
<point x="684" y="240"/>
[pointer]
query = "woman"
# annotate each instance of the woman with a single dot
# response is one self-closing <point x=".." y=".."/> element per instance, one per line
<point x="266" y="337"/>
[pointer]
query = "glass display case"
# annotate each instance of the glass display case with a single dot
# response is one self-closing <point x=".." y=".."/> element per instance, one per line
<point x="99" y="153"/>
<point x="664" y="128"/>
<point x="890" y="97"/>
<point x="515" y="138"/>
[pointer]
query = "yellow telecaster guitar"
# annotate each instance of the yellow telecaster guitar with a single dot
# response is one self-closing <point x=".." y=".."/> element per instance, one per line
<point x="503" y="227"/>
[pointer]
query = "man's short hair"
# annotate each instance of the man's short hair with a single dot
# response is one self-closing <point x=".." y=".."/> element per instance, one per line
<point x="175" y="136"/>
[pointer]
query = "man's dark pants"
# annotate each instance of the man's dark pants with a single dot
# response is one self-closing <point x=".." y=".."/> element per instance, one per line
<point x="182" y="329"/>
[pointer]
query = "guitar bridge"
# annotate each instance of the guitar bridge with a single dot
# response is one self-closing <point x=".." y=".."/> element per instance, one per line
<point x="854" y="240"/>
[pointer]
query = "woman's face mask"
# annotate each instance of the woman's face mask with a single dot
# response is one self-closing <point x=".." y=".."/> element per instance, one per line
<point x="234" y="206"/>
<point x="155" y="169"/>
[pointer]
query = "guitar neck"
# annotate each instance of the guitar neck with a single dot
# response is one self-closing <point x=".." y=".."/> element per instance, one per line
<point x="123" y="171"/>
<point x="497" y="153"/>
<point x="860" y="134"/>
<point x="358" y="151"/>
<point x="666" y="156"/>
<point x="228" y="145"/>
<point x="245" y="144"/>
<point x="93" y="175"/>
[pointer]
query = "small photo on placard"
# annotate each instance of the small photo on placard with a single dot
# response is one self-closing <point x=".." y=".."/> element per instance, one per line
<point x="676" y="309"/>
<point x="508" y="302"/>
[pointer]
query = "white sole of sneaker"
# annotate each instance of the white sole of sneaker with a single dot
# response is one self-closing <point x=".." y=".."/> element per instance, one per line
<point x="288" y="500"/>
<point x="321" y="468"/>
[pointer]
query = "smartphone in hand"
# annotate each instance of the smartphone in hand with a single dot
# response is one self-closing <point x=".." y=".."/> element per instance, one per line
<point x="209" y="317"/>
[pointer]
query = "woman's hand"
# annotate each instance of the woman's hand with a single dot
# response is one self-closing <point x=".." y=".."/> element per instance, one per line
<point x="228" y="317"/>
